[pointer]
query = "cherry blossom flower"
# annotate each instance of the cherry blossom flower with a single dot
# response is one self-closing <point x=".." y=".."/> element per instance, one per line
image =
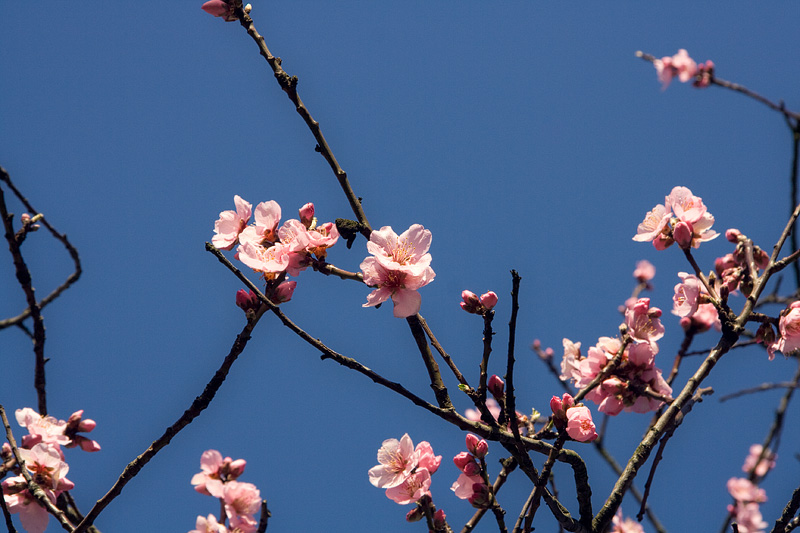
<point x="644" y="322"/>
<point x="690" y="225"/>
<point x="47" y="469"/>
<point x="41" y="428"/>
<point x="398" y="267"/>
<point x="580" y="425"/>
<point x="231" y="224"/>
<point x="789" y="327"/>
<point x="680" y="65"/>
<point x="412" y="488"/>
<point x="491" y="405"/>
<point x="570" y="368"/>
<point x="743" y="490"/>
<point x="653" y="224"/>
<point x="628" y="525"/>
<point x="32" y="515"/>
<point x="242" y="501"/>
<point x="687" y="295"/>
<point x="215" y="471"/>
<point x="270" y="261"/>
<point x="748" y="517"/>
<point x="208" y="525"/>
<point x="702" y="320"/>
<point x="426" y="458"/>
<point x="765" y="465"/>
<point x="645" y="271"/>
<point x="267" y="216"/>
<point x="397" y="459"/>
<point x="466" y="486"/>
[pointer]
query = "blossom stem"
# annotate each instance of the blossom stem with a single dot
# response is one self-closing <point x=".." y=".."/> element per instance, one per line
<point x="509" y="465"/>
<point x="289" y="86"/>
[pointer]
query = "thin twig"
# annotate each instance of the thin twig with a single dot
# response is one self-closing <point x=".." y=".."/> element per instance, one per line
<point x="788" y="512"/>
<point x="289" y="86"/>
<point x="198" y="406"/>
<point x="439" y="389"/>
<point x="73" y="253"/>
<point x="23" y="275"/>
<point x="761" y="388"/>
<point x="439" y="348"/>
<point x="508" y="465"/>
<point x="265" y="516"/>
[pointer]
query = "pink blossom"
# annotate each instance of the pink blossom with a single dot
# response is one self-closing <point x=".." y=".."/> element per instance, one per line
<point x="642" y="354"/>
<point x="208" y="525"/>
<point x="47" y="469"/>
<point x="687" y="295"/>
<point x="628" y="525"/>
<point x="703" y="319"/>
<point x="283" y="292"/>
<point x="488" y="300"/>
<point x="748" y="517"/>
<point x="270" y="261"/>
<point x="570" y="368"/>
<point x="412" y="488"/>
<point x="32" y="515"/>
<point x="397" y="459"/>
<point x="398" y="267"/>
<point x="219" y="8"/>
<point x="789" y="327"/>
<point x="307" y="214"/>
<point x="644" y="321"/>
<point x="41" y="428"/>
<point x="765" y="465"/>
<point x="496" y="386"/>
<point x="705" y="73"/>
<point x="466" y="462"/>
<point x="491" y="405"/>
<point x="426" y="458"/>
<point x="653" y="224"/>
<point x="242" y="501"/>
<point x="465" y="486"/>
<point x="579" y="424"/>
<point x="215" y="471"/>
<point x="686" y="206"/>
<point x="559" y="406"/>
<point x="645" y="271"/>
<point x="267" y="216"/>
<point x="321" y="238"/>
<point x="231" y="224"/>
<point x="680" y="65"/>
<point x="75" y="424"/>
<point x="743" y="490"/>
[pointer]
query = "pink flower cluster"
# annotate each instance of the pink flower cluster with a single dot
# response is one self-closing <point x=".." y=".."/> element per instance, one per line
<point x="745" y="510"/>
<point x="733" y="270"/>
<point x="471" y="484"/>
<point x="241" y="501"/>
<point x="682" y="218"/>
<point x="404" y="471"/>
<point x="684" y="68"/>
<point x="44" y="460"/>
<point x="398" y="267"/>
<point x="632" y="385"/>
<point x="765" y="465"/>
<point x="696" y="314"/>
<point x="789" y="329"/>
<point x="628" y="525"/>
<point x="478" y="306"/>
<point x="576" y="419"/>
<point x="270" y="250"/>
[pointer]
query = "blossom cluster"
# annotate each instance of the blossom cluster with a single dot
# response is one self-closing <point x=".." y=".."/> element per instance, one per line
<point x="404" y="471"/>
<point x="635" y="384"/>
<point x="683" y="218"/>
<point x="41" y="452"/>
<point x="270" y="250"/>
<point x="218" y="478"/>
<point x="471" y="485"/>
<point x="745" y="509"/>
<point x="575" y="418"/>
<point x="684" y="68"/>
<point x="398" y="266"/>
<point x="690" y="302"/>
<point x="471" y="303"/>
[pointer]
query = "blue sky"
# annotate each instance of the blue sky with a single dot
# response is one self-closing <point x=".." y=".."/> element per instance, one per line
<point x="523" y="135"/>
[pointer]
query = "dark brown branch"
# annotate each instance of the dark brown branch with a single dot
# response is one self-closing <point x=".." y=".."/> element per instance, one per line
<point x="789" y="512"/>
<point x="439" y="390"/>
<point x="439" y="348"/>
<point x="761" y="388"/>
<point x="72" y="278"/>
<point x="289" y="86"/>
<point x="23" y="275"/>
<point x="198" y="406"/>
<point x="265" y="516"/>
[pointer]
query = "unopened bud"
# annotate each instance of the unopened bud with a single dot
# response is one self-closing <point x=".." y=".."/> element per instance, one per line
<point x="733" y="235"/>
<point x="489" y="300"/>
<point x="247" y="301"/>
<point x="307" y="214"/>
<point x="284" y="291"/>
<point x="682" y="233"/>
<point x="496" y="386"/>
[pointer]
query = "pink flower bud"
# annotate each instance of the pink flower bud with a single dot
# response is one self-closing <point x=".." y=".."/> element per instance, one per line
<point x="470" y="303"/>
<point x="489" y="300"/>
<point x="236" y="468"/>
<point x="247" y="301"/>
<point x="219" y="8"/>
<point x="284" y="292"/>
<point x="548" y="353"/>
<point x="87" y="445"/>
<point x="6" y="452"/>
<point x="439" y="519"/>
<point x="480" y="496"/>
<point x="307" y="214"/>
<point x="25" y="217"/>
<point x="761" y="258"/>
<point x="682" y="233"/>
<point x="465" y="462"/>
<point x="537" y="344"/>
<point x="477" y="446"/>
<point x="645" y="271"/>
<point x="496" y="386"/>
<point x="662" y="242"/>
<point x="87" y="425"/>
<point x="733" y="235"/>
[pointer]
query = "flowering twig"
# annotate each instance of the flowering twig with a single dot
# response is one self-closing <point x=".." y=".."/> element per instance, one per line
<point x="33" y="487"/>
<point x="24" y="278"/>
<point x="198" y="406"/>
<point x="72" y="278"/>
<point x="289" y="86"/>
<point x="508" y="466"/>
